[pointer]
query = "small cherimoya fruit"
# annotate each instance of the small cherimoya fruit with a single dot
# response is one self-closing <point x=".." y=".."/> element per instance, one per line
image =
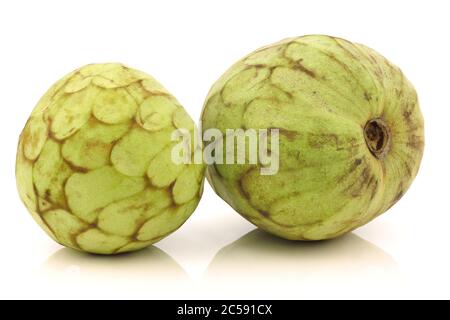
<point x="350" y="135"/>
<point x="94" y="161"/>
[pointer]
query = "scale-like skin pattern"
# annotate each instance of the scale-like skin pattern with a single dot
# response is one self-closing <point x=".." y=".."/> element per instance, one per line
<point x="94" y="164"/>
<point x="320" y="92"/>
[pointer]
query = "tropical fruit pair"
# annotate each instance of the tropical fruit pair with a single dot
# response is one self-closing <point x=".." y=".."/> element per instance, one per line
<point x="95" y="162"/>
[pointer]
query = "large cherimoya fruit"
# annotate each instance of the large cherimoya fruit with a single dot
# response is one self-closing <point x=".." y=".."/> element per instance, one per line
<point x="94" y="161"/>
<point x="350" y="135"/>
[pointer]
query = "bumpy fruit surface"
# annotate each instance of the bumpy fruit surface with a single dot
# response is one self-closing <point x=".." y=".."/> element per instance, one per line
<point x="351" y="135"/>
<point x="94" y="161"/>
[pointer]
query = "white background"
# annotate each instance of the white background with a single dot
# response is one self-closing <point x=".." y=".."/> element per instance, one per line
<point x="187" y="45"/>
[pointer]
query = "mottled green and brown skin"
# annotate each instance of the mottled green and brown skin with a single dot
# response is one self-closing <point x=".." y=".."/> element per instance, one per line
<point x="351" y="135"/>
<point x="94" y="161"/>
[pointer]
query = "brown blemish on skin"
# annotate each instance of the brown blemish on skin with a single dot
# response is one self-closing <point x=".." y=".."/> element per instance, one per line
<point x="398" y="196"/>
<point x="374" y="190"/>
<point x="47" y="194"/>
<point x="370" y="182"/>
<point x="258" y="66"/>
<point x="408" y="169"/>
<point x="242" y="190"/>
<point x="42" y="203"/>
<point x="288" y="94"/>
<point x="25" y="135"/>
<point x="415" y="142"/>
<point x="353" y="146"/>
<point x="222" y="99"/>
<point x="76" y="168"/>
<point x="170" y="190"/>
<point x="147" y="181"/>
<point x="64" y="203"/>
<point x="117" y="86"/>
<point x="141" y="221"/>
<point x="51" y="136"/>
<point x="348" y="52"/>
<point x="299" y="66"/>
<point x="352" y="168"/>
<point x="407" y="115"/>
<point x="264" y="213"/>
<point x="365" y="175"/>
<point x="40" y="214"/>
<point x="357" y="162"/>
<point x="351" y="54"/>
<point x="157" y="94"/>
<point x="73" y="236"/>
<point x="289" y="134"/>
<point x="116" y="252"/>
<point x="355" y="189"/>
<point x="134" y="98"/>
<point x="347" y="70"/>
<point x="246" y="195"/>
<point x="363" y="181"/>
<point x="317" y="141"/>
<point x="36" y="196"/>
<point x="140" y="224"/>
<point x="267" y="216"/>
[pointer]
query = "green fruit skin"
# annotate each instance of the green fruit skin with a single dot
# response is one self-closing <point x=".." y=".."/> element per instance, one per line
<point x="320" y="91"/>
<point x="94" y="162"/>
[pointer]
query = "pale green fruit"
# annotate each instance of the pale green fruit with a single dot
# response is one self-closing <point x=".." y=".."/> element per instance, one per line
<point x="351" y="135"/>
<point x="94" y="161"/>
